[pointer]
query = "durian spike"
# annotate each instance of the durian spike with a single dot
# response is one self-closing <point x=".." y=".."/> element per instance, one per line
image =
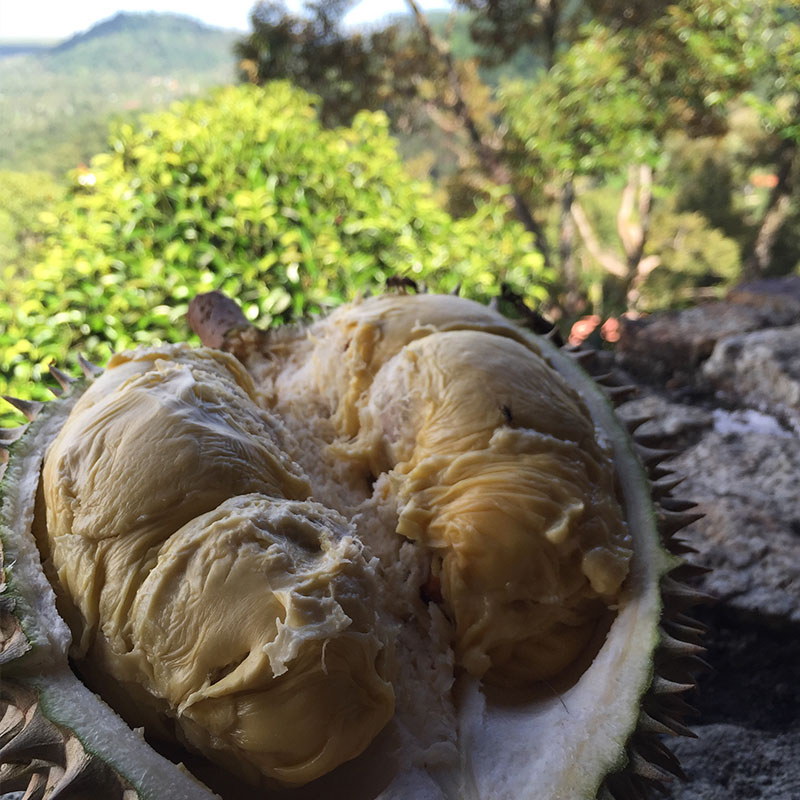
<point x="582" y="357"/>
<point x="38" y="739"/>
<point x="619" y="394"/>
<point x="8" y="435"/>
<point x="30" y="408"/>
<point x="663" y="487"/>
<point x="634" y="423"/>
<point x="670" y="522"/>
<point x="63" y="380"/>
<point x="456" y="289"/>
<point x="677" y="504"/>
<point x="90" y="371"/>
<point x="651" y="457"/>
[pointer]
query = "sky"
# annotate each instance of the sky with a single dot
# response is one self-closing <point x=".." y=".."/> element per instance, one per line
<point x="56" y="19"/>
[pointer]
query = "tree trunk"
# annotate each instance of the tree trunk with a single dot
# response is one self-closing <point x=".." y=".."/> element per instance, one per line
<point x="487" y="156"/>
<point x="758" y="262"/>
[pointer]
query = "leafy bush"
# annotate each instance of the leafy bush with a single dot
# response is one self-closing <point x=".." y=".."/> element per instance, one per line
<point x="247" y="193"/>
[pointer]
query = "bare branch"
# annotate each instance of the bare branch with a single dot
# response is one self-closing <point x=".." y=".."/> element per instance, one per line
<point x="486" y="154"/>
<point x="608" y="260"/>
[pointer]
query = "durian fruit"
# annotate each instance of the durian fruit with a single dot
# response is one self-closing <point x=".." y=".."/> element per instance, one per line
<point x="407" y="552"/>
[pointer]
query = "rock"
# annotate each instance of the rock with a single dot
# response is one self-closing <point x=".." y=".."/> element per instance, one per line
<point x="748" y="743"/>
<point x="760" y="369"/>
<point x="779" y="297"/>
<point x="723" y="387"/>
<point x="668" y="348"/>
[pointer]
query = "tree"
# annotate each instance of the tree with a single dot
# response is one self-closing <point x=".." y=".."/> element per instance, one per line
<point x="245" y="192"/>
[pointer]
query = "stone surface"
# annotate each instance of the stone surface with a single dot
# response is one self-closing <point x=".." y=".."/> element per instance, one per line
<point x="730" y="402"/>
<point x="760" y="369"/>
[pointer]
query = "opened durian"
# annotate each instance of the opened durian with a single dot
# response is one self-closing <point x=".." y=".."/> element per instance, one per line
<point x="407" y="552"/>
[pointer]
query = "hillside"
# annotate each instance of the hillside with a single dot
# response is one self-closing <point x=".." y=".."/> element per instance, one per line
<point x="56" y="102"/>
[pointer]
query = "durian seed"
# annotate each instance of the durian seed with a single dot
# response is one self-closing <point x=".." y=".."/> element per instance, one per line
<point x="63" y="380"/>
<point x="91" y="371"/>
<point x="30" y="408"/>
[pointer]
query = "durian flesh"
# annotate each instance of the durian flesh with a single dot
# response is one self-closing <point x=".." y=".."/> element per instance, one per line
<point x="424" y="446"/>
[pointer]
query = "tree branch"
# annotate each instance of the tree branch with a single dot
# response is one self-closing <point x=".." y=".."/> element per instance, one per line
<point x="486" y="154"/>
<point x="608" y="260"/>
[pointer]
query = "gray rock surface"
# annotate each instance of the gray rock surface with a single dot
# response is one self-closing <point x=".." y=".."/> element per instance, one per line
<point x="733" y="413"/>
<point x="761" y="369"/>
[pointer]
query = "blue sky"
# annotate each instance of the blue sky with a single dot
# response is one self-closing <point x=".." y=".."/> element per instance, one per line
<point x="56" y="19"/>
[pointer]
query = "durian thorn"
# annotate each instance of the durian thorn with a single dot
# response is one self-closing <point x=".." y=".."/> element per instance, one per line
<point x="456" y="289"/>
<point x="63" y="380"/>
<point x="662" y="686"/>
<point x="634" y="423"/>
<point x="690" y="622"/>
<point x="24" y="776"/>
<point x="657" y="472"/>
<point x="677" y="504"/>
<point x="688" y="571"/>
<point x="494" y="303"/>
<point x="582" y="357"/>
<point x="664" y="486"/>
<point x="680" y="591"/>
<point x="673" y="646"/>
<point x="650" y="456"/>
<point x="680" y="547"/>
<point x="604" y="379"/>
<point x="10" y="723"/>
<point x="39" y="739"/>
<point x="659" y="755"/>
<point x="647" y="769"/>
<point x="30" y="408"/>
<point x="8" y="435"/>
<point x="655" y="721"/>
<point x="554" y="336"/>
<point x="686" y="633"/>
<point x="670" y="522"/>
<point x="78" y="772"/>
<point x="91" y="371"/>
<point x="619" y="394"/>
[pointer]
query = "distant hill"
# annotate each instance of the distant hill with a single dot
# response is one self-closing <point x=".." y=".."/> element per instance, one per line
<point x="56" y="101"/>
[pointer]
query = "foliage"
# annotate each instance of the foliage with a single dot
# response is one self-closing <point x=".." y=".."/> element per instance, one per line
<point x="245" y="192"/>
<point x="22" y="196"/>
<point x="56" y="103"/>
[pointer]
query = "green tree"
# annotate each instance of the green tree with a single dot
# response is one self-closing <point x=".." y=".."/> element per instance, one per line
<point x="612" y="83"/>
<point x="248" y="193"/>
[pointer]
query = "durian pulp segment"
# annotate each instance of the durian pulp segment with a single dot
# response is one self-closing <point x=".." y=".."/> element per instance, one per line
<point x="373" y="425"/>
<point x="364" y="402"/>
<point x="198" y="570"/>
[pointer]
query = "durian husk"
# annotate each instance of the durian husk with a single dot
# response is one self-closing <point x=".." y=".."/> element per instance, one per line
<point x="57" y="739"/>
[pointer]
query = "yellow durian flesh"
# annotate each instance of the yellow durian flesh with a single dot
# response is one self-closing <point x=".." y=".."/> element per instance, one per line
<point x="420" y="396"/>
<point x="493" y="462"/>
<point x="200" y="571"/>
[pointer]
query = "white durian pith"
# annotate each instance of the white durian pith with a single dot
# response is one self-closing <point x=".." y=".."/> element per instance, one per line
<point x="408" y="430"/>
